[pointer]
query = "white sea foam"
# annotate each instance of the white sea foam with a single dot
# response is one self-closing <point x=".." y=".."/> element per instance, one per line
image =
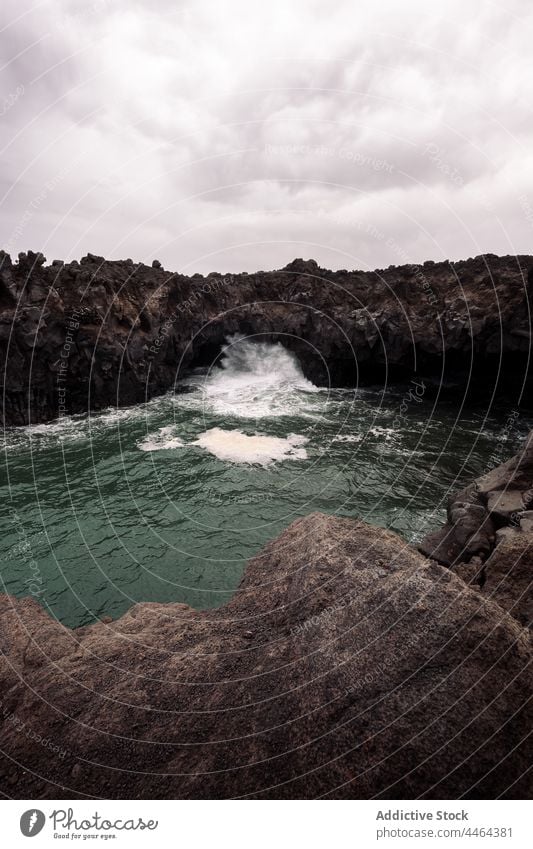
<point x="234" y="446"/>
<point x="81" y="427"/>
<point x="255" y="380"/>
<point x="42" y="436"/>
<point x="382" y="432"/>
<point x="162" y="440"/>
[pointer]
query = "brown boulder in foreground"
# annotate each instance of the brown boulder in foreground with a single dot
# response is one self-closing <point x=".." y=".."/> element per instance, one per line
<point x="347" y="665"/>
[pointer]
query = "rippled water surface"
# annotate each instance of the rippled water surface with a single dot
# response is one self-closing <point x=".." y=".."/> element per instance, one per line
<point x="167" y="500"/>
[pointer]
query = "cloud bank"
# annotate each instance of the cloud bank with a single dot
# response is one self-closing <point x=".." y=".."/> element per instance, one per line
<point x="236" y="136"/>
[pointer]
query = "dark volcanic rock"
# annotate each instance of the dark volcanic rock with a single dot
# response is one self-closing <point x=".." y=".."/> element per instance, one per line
<point x="91" y="334"/>
<point x="468" y="532"/>
<point x="346" y="666"/>
<point x="498" y="499"/>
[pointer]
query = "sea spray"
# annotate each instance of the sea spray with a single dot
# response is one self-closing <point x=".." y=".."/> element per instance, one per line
<point x="255" y="380"/>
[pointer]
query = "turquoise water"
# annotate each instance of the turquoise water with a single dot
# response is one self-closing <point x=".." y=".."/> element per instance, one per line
<point x="167" y="500"/>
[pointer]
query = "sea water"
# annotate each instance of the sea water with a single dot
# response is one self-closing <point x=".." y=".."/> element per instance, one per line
<point x="167" y="500"/>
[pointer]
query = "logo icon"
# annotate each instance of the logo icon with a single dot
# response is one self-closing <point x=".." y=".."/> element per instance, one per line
<point x="32" y="822"/>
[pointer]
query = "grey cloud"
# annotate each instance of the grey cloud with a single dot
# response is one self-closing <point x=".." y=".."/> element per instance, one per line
<point x="360" y="136"/>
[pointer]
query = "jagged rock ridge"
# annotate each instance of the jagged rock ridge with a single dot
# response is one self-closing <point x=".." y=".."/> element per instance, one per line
<point x="89" y="334"/>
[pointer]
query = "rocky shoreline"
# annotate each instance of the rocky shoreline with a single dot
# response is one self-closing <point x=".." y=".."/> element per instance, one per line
<point x="85" y="335"/>
<point x="488" y="534"/>
<point x="347" y="665"/>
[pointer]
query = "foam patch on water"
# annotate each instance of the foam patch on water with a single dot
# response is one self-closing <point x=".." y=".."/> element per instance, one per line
<point x="234" y="446"/>
<point x="163" y="440"/>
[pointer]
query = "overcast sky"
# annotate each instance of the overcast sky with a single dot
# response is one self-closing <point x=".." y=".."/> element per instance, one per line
<point x="238" y="135"/>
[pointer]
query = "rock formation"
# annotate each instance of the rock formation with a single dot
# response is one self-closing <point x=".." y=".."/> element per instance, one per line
<point x="89" y="334"/>
<point x="347" y="665"/>
<point x="488" y="538"/>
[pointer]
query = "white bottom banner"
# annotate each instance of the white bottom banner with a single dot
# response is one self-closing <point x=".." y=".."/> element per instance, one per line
<point x="262" y="825"/>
